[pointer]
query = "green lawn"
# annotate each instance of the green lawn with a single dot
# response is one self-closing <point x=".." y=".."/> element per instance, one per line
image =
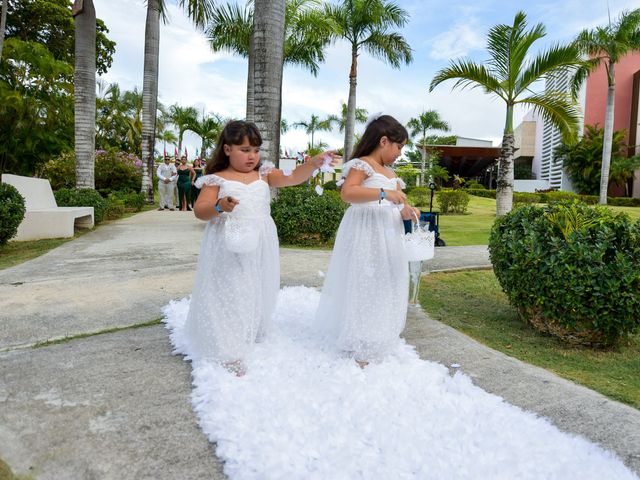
<point x="473" y="227"/>
<point x="474" y="303"/>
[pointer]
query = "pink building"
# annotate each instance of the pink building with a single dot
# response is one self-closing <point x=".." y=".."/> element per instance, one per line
<point x="593" y="100"/>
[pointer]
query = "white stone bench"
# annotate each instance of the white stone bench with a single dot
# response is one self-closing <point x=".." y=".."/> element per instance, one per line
<point x="43" y="217"/>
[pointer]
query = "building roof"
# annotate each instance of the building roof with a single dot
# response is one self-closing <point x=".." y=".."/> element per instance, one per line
<point x="466" y="161"/>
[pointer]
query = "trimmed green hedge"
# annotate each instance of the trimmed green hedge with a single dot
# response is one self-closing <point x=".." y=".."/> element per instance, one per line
<point x="453" y="201"/>
<point x="305" y="218"/>
<point x="557" y="196"/>
<point x="571" y="270"/>
<point x="83" y="197"/>
<point x="12" y="210"/>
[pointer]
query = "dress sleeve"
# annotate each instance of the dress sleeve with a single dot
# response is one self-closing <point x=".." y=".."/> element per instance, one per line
<point x="358" y="165"/>
<point x="209" y="180"/>
<point x="265" y="169"/>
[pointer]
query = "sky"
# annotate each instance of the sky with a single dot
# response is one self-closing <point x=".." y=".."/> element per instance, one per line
<point x="437" y="31"/>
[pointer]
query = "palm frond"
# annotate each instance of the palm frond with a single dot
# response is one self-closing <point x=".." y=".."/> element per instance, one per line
<point x="469" y="74"/>
<point x="557" y="57"/>
<point x="199" y="11"/>
<point x="559" y="109"/>
<point x="230" y="28"/>
<point x="389" y="47"/>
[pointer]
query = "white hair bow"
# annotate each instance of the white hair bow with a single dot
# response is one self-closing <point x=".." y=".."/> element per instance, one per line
<point x="372" y="118"/>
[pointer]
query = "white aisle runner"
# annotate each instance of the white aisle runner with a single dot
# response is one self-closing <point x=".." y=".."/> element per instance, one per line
<point x="302" y="412"/>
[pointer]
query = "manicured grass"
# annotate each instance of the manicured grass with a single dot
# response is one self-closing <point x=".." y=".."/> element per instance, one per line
<point x="14" y="253"/>
<point x="474" y="303"/>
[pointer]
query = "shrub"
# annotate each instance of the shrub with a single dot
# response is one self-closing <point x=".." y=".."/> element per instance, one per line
<point x="132" y="201"/>
<point x="419" y="197"/>
<point x="330" y="185"/>
<point x="481" y="193"/>
<point x="557" y="196"/>
<point x="473" y="184"/>
<point x="571" y="270"/>
<point x="114" y="171"/>
<point x="453" y="201"/>
<point x="306" y="218"/>
<point x="526" y="197"/>
<point x="12" y="210"/>
<point x="83" y="197"/>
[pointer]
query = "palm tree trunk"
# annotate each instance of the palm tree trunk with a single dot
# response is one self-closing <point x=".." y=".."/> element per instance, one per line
<point x="268" y="35"/>
<point x="423" y="165"/>
<point x="351" y="106"/>
<point x="84" y="81"/>
<point x="250" y="81"/>
<point x="608" y="137"/>
<point x="504" y="188"/>
<point x="150" y="95"/>
<point x="3" y="23"/>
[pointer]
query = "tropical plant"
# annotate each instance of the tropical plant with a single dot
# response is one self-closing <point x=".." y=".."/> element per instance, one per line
<point x="12" y="210"/>
<point x="36" y="107"/>
<point x="367" y="25"/>
<point x="510" y="74"/>
<point x="208" y="129"/>
<point x="607" y="45"/>
<point x="313" y="125"/>
<point x="428" y="120"/>
<point x="84" y="14"/>
<point x="408" y="173"/>
<point x="581" y="160"/>
<point x="183" y="118"/>
<point x="361" y="116"/>
<point x="199" y="11"/>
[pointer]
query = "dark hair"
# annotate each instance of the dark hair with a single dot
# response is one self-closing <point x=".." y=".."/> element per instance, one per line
<point x="383" y="126"/>
<point x="233" y="133"/>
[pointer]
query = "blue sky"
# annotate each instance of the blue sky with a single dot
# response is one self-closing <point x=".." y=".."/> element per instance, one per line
<point x="191" y="75"/>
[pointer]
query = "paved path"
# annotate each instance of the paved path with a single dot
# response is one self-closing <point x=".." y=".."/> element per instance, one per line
<point x="116" y="405"/>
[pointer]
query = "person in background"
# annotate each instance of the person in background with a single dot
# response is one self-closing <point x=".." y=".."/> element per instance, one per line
<point x="167" y="175"/>
<point x="198" y="168"/>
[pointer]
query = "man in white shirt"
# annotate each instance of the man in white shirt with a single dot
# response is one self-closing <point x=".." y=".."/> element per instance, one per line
<point x="167" y="176"/>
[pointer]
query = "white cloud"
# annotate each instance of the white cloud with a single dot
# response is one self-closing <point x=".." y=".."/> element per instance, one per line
<point x="459" y="41"/>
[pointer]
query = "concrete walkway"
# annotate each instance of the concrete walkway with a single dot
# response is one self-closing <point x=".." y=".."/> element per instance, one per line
<point x="115" y="404"/>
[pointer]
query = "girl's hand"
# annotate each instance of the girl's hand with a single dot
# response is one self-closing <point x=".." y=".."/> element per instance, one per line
<point x="329" y="158"/>
<point x="410" y="213"/>
<point x="395" y="196"/>
<point x="227" y="204"/>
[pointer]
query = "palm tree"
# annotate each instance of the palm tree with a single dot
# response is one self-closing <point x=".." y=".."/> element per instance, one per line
<point x="361" y="116"/>
<point x="268" y="49"/>
<point x="183" y="118"/>
<point x="306" y="36"/>
<point x="208" y="129"/>
<point x="608" y="45"/>
<point x="167" y="136"/>
<point x="315" y="125"/>
<point x="367" y="25"/>
<point x="3" y="23"/>
<point x="509" y="74"/>
<point x="429" y="120"/>
<point x="199" y="11"/>
<point x="84" y="80"/>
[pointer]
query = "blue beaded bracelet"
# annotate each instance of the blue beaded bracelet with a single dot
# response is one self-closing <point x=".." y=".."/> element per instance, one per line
<point x="382" y="195"/>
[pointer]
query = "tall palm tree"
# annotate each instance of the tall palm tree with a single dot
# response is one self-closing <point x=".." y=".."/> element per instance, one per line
<point x="208" y="129"/>
<point x="199" y="11"/>
<point x="429" y="120"/>
<point x="3" y="23"/>
<point x="607" y="45"/>
<point x="183" y="118"/>
<point x="361" y="116"/>
<point x="268" y="45"/>
<point x="510" y="74"/>
<point x="84" y="81"/>
<point x="314" y="125"/>
<point x="306" y="36"/>
<point x="368" y="25"/>
<point x="167" y="136"/>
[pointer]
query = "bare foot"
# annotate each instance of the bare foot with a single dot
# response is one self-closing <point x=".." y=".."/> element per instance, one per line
<point x="236" y="367"/>
<point x="362" y="363"/>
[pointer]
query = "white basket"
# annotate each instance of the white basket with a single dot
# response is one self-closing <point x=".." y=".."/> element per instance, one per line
<point x="420" y="243"/>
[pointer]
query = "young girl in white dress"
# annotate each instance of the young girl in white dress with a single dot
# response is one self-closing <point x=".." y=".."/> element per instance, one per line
<point x="238" y="273"/>
<point x="365" y="294"/>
